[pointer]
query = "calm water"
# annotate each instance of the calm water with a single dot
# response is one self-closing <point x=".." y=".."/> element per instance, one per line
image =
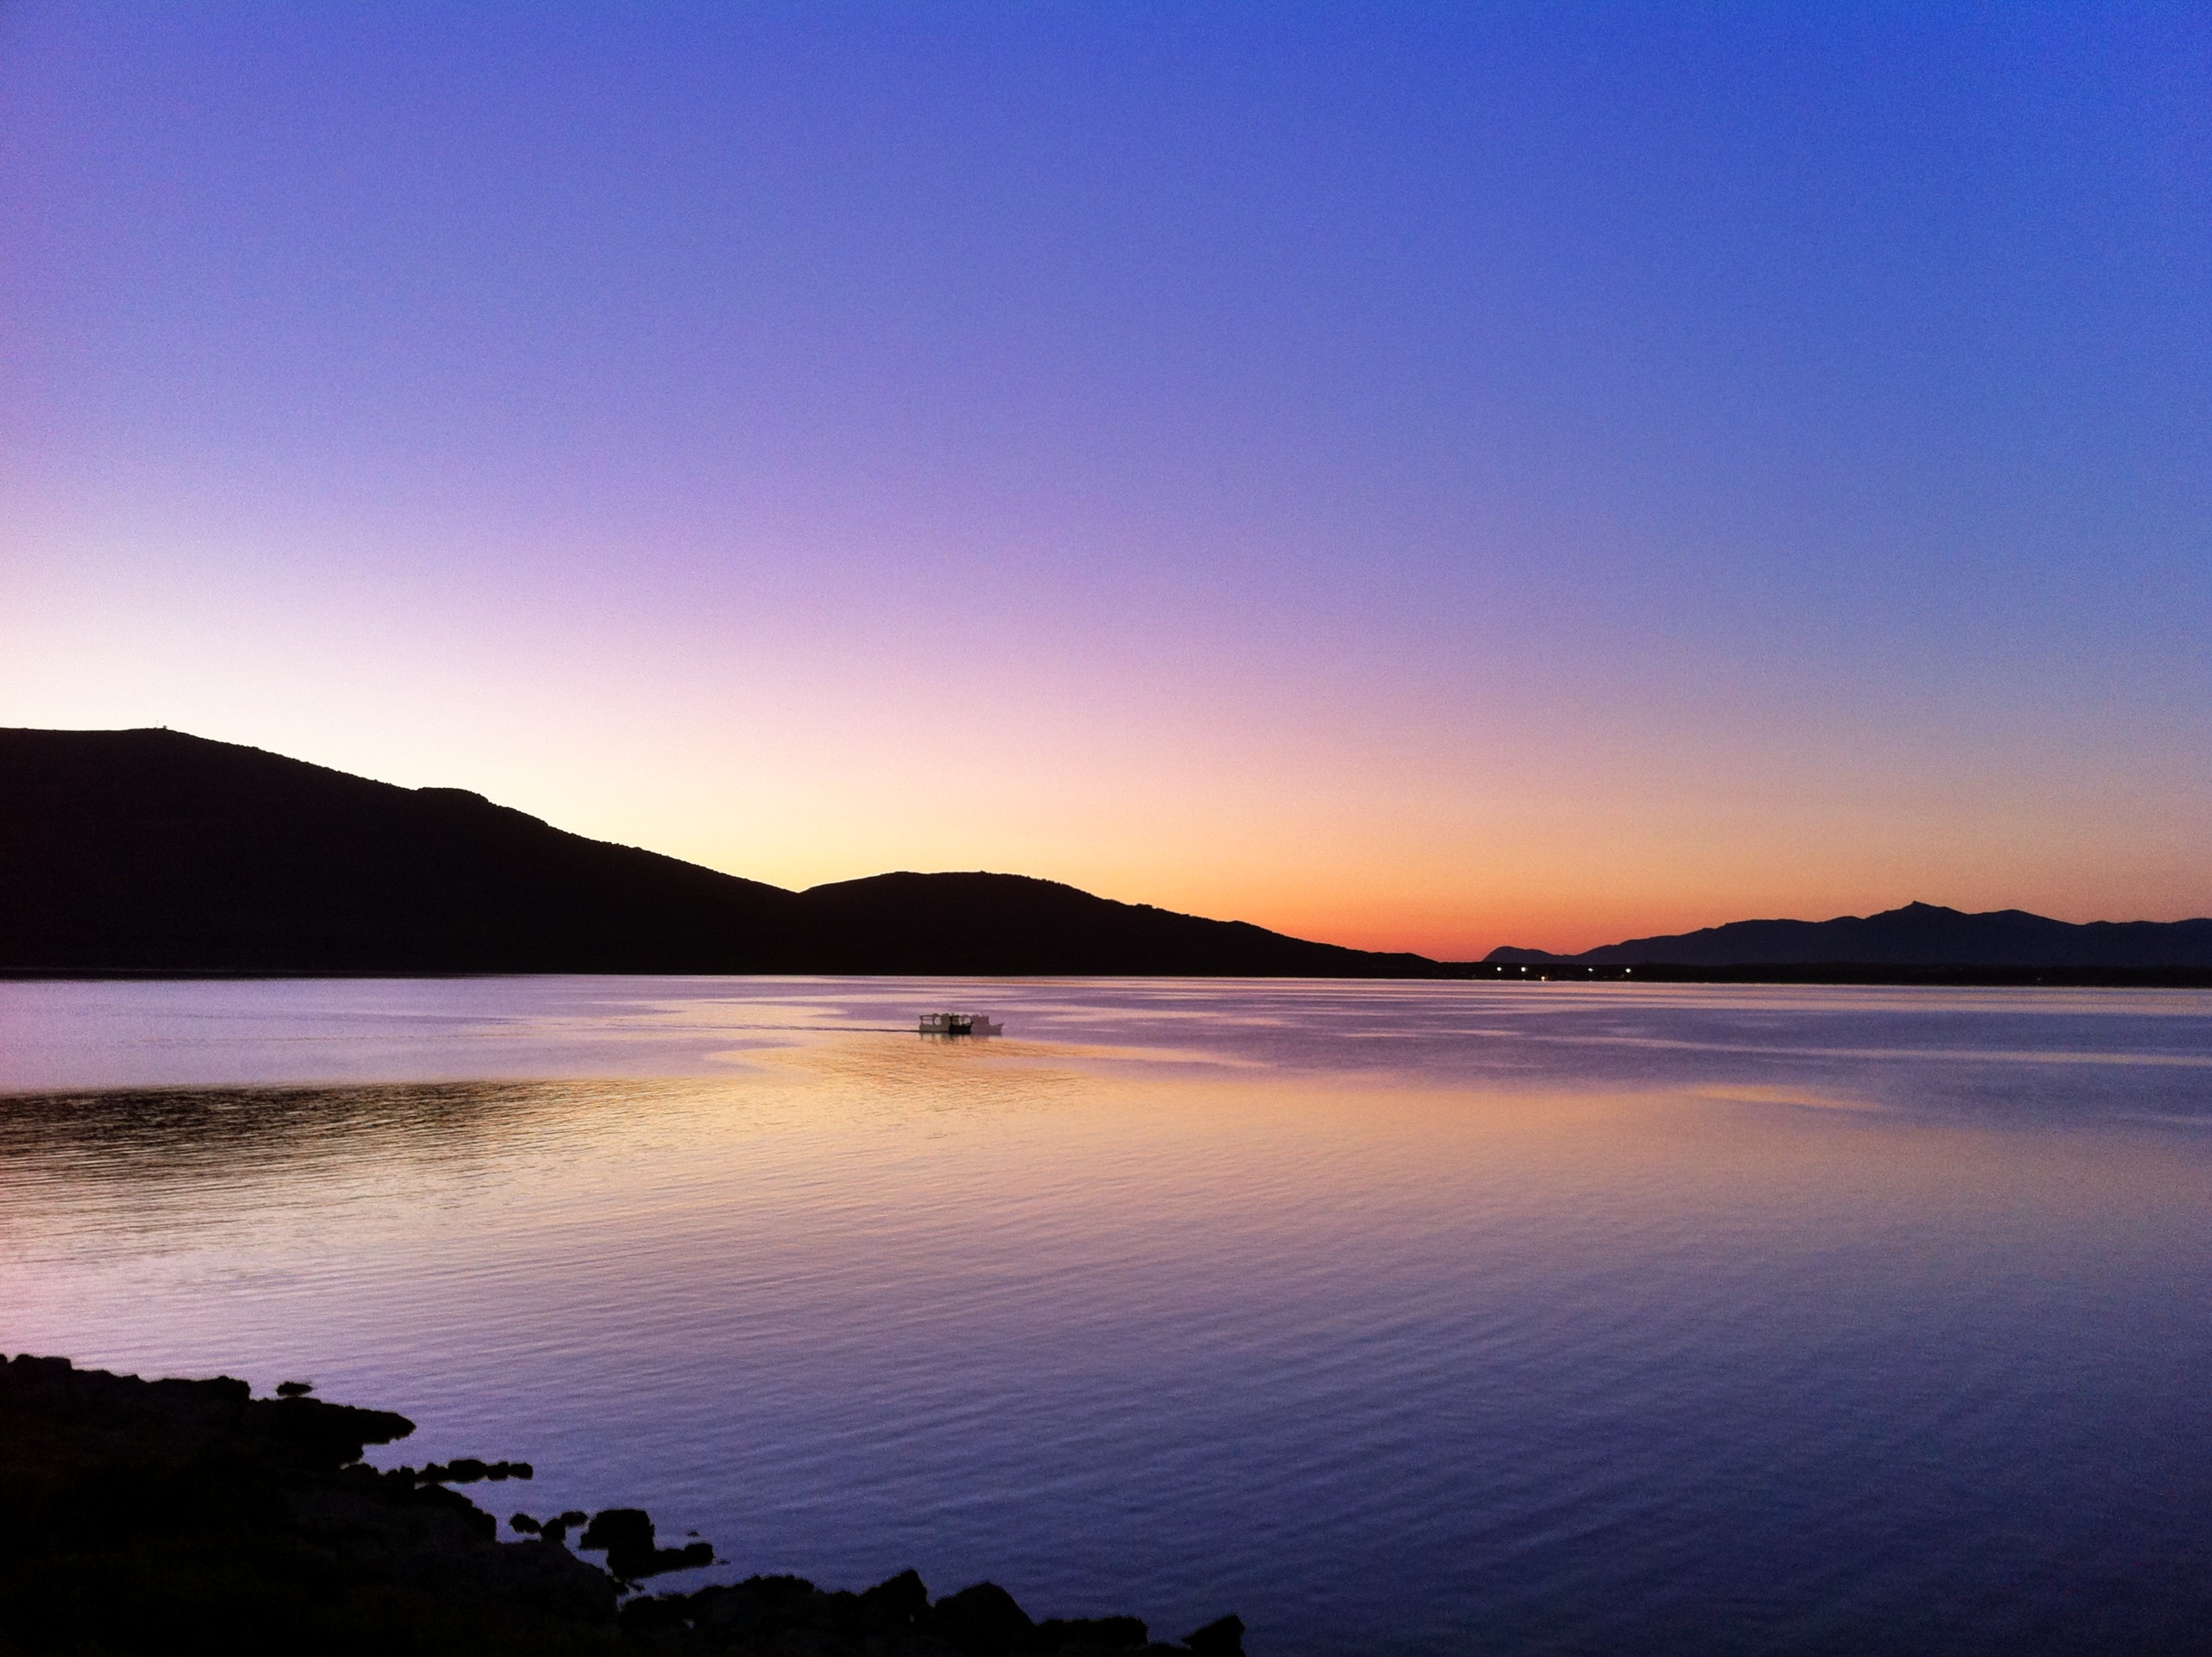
<point x="1431" y="1318"/>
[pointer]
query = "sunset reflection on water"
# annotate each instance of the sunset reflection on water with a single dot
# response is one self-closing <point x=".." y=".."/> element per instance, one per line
<point x="1386" y="1314"/>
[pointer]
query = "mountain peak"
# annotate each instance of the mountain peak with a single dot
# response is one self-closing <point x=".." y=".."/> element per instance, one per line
<point x="153" y="850"/>
<point x="1917" y="934"/>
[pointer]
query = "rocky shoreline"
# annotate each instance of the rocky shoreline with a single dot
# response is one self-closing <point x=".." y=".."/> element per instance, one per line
<point x="188" y="1515"/>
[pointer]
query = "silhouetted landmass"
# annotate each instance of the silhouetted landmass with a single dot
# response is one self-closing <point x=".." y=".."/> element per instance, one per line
<point x="143" y="1517"/>
<point x="1920" y="938"/>
<point x="153" y="851"/>
<point x="150" y="851"/>
<point x="2110" y="977"/>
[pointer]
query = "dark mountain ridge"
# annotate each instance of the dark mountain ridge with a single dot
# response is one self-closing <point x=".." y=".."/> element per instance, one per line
<point x="1917" y="935"/>
<point x="155" y="851"/>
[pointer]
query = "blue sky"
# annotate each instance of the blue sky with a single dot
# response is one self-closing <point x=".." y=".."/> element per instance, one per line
<point x="1428" y="475"/>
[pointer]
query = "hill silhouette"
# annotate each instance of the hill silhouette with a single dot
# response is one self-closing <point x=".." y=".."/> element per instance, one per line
<point x="1917" y="935"/>
<point x="155" y="851"/>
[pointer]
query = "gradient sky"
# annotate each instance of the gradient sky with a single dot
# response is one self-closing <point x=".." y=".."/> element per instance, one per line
<point x="1427" y="477"/>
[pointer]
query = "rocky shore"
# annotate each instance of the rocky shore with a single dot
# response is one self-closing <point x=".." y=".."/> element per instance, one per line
<point x="185" y="1517"/>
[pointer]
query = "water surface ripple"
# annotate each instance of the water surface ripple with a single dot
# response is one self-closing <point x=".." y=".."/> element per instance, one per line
<point x="1401" y="1318"/>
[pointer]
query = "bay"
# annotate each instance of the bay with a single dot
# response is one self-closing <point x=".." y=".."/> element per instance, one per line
<point x="1397" y="1318"/>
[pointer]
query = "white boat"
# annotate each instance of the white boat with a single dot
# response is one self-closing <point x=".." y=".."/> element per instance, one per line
<point x="959" y="1024"/>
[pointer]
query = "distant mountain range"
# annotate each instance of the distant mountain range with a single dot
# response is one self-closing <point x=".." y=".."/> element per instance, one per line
<point x="1917" y="935"/>
<point x="153" y="851"/>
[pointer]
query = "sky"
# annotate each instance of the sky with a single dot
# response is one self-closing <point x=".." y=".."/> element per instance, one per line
<point x="1420" y="477"/>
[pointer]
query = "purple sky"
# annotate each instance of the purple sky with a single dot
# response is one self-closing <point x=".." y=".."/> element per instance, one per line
<point x="1435" y="477"/>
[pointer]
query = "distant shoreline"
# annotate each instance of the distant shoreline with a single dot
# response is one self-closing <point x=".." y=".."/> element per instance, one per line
<point x="1839" y="973"/>
<point x="1844" y="972"/>
<point x="153" y="854"/>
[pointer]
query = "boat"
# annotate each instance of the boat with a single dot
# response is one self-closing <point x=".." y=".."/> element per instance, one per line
<point x="959" y="1024"/>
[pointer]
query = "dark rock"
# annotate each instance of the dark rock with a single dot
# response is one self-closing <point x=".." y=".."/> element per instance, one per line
<point x="915" y="1644"/>
<point x="319" y="1435"/>
<point x="625" y="1535"/>
<point x="982" y="1618"/>
<point x="179" y="1518"/>
<point x="555" y="1582"/>
<point x="896" y="1601"/>
<point x="646" y="1614"/>
<point x="781" y="1592"/>
<point x="1089" y="1634"/>
<point x="141" y="1517"/>
<point x="738" y="1615"/>
<point x="1222" y="1638"/>
<point x="556" y="1530"/>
